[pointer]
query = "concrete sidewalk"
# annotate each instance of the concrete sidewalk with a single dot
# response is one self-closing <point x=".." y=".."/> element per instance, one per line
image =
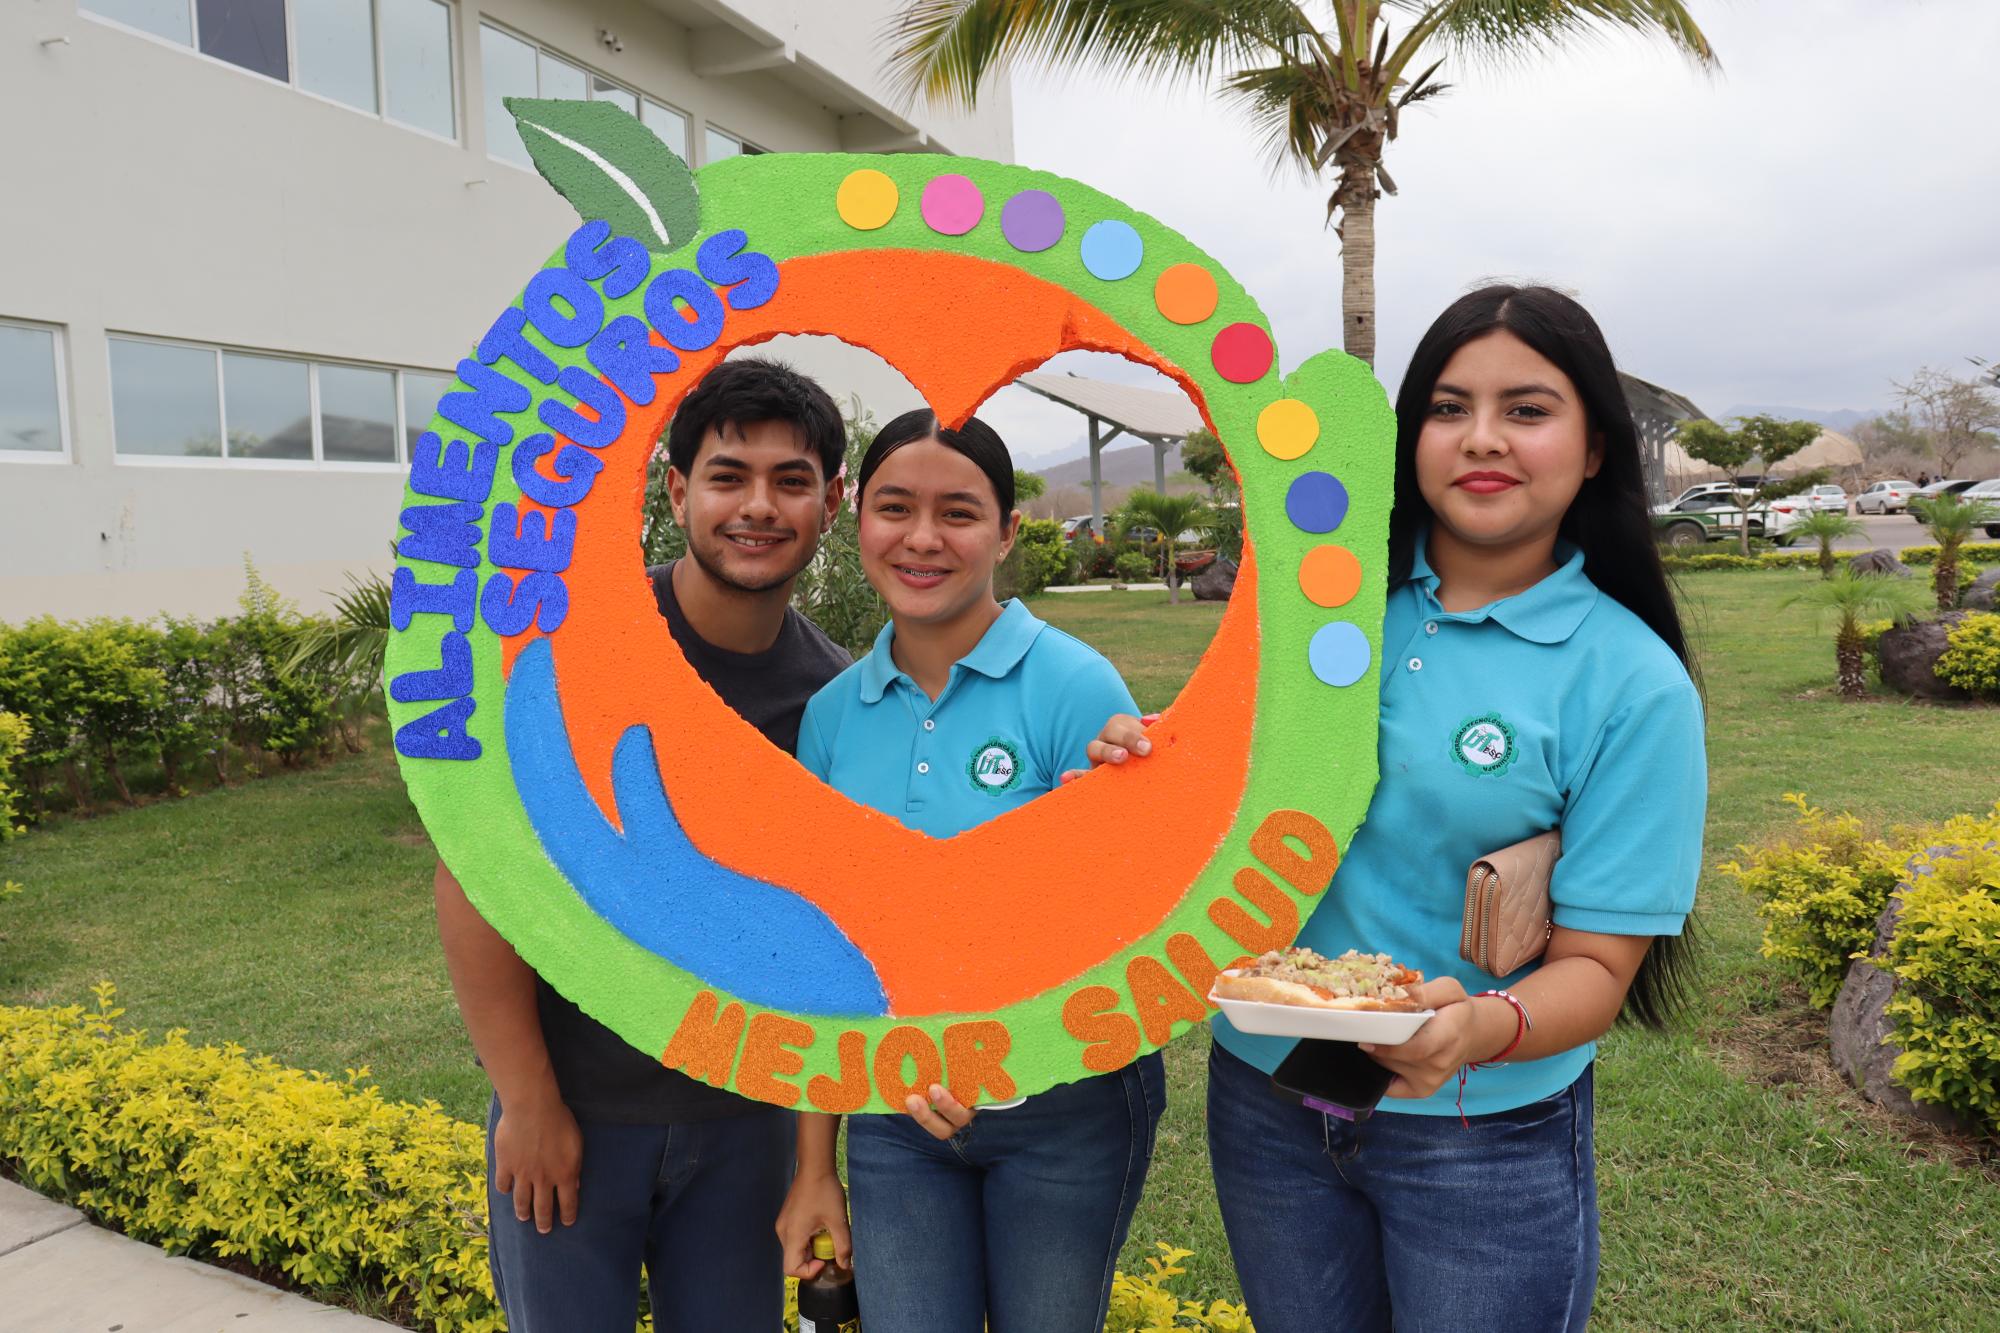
<point x="60" y="1274"/>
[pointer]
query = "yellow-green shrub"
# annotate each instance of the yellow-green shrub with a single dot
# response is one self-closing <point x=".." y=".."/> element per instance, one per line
<point x="1819" y="894"/>
<point x="1971" y="660"/>
<point x="1927" y="555"/>
<point x="1145" y="1305"/>
<point x="13" y="740"/>
<point x="1946" y="953"/>
<point x="202" y="1150"/>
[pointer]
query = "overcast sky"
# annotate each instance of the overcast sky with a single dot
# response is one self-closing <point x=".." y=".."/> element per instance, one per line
<point x="1819" y="217"/>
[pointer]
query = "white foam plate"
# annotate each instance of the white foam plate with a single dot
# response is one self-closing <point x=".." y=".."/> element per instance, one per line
<point x="1292" y="1020"/>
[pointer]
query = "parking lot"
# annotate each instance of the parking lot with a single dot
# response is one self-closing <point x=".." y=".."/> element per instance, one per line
<point x="1890" y="530"/>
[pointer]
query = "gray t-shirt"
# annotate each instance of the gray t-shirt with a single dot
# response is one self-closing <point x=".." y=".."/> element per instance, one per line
<point x="601" y="1077"/>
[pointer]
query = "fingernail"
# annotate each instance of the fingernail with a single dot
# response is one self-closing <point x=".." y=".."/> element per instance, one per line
<point x="1144" y="747"/>
<point x="1117" y="756"/>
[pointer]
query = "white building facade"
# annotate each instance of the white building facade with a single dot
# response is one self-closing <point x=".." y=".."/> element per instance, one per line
<point x="245" y="240"/>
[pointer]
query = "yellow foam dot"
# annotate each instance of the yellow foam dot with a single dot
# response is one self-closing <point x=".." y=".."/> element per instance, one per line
<point x="867" y="199"/>
<point x="1287" y="428"/>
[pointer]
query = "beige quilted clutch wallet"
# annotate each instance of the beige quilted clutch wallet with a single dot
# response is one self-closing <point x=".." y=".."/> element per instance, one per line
<point x="1507" y="921"/>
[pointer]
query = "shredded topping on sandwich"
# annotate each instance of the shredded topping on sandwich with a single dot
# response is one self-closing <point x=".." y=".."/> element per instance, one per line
<point x="1353" y="975"/>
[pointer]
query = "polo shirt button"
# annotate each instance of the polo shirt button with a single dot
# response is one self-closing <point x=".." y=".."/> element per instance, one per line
<point x="1431" y="627"/>
<point x="923" y="768"/>
<point x="929" y="725"/>
<point x="1416" y="664"/>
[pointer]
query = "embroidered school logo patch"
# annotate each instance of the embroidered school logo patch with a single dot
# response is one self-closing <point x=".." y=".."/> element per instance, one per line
<point x="995" y="766"/>
<point x="1484" y="745"/>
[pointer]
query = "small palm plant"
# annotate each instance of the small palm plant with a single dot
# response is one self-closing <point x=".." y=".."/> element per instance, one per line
<point x="347" y="649"/>
<point x="1854" y="599"/>
<point x="1825" y="527"/>
<point x="1171" y="515"/>
<point x="1951" y="519"/>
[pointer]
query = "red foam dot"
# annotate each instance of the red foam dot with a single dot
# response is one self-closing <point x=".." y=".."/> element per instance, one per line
<point x="1241" y="353"/>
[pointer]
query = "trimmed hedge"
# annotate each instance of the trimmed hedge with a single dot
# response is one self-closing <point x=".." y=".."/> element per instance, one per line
<point x="1946" y="953"/>
<point x="1820" y="892"/>
<point x="1809" y="558"/>
<point x="105" y="699"/>
<point x="13" y="740"/>
<point x="1972" y="659"/>
<point x="203" y="1150"/>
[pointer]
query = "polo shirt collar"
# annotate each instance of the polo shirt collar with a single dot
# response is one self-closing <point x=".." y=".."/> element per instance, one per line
<point x="1549" y="612"/>
<point x="998" y="651"/>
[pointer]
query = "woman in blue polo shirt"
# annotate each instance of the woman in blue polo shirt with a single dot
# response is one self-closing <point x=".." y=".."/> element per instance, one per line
<point x="1533" y="677"/>
<point x="963" y="710"/>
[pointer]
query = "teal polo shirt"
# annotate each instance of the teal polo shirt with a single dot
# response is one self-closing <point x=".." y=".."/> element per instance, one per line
<point x="1016" y="711"/>
<point x="1555" y="707"/>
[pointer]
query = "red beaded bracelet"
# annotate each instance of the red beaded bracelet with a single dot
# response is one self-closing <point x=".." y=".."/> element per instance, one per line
<point x="1522" y="1023"/>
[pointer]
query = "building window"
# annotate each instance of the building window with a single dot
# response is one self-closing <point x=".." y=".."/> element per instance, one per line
<point x="33" y="422"/>
<point x="511" y="66"/>
<point x="668" y="125"/>
<point x="721" y="144"/>
<point x="267" y="401"/>
<point x="183" y="401"/>
<point x="357" y="414"/>
<point x="389" y="58"/>
<point x="420" y="397"/>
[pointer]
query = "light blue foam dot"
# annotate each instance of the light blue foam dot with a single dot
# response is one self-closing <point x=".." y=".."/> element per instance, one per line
<point x="1112" y="250"/>
<point x="1338" y="653"/>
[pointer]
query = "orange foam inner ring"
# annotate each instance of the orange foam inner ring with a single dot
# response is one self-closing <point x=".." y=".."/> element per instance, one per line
<point x="1003" y="911"/>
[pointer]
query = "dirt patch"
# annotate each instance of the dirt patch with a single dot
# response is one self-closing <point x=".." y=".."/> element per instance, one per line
<point x="414" y="838"/>
<point x="1780" y="1042"/>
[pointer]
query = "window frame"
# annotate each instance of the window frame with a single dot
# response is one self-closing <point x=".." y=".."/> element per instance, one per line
<point x="291" y="81"/>
<point x="58" y="337"/>
<point x="318" y="462"/>
<point x="744" y="147"/>
<point x="590" y="72"/>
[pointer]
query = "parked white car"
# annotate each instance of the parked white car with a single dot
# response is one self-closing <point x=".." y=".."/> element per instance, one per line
<point x="1886" y="497"/>
<point x="1830" y="499"/>
<point x="1987" y="492"/>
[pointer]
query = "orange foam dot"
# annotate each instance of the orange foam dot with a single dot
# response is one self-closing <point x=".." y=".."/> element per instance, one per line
<point x="1186" y="293"/>
<point x="1330" y="575"/>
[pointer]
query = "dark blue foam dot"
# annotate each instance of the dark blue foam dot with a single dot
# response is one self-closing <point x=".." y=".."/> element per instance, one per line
<point x="1316" y="502"/>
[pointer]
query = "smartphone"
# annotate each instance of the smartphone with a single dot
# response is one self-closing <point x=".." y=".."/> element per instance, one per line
<point x="1334" y="1078"/>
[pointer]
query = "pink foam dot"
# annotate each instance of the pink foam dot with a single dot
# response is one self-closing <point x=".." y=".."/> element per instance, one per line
<point x="953" y="205"/>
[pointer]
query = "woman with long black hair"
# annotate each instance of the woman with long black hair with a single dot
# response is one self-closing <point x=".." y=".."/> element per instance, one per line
<point x="1534" y="676"/>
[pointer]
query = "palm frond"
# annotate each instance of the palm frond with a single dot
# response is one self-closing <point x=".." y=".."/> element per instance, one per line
<point x="351" y="645"/>
<point x="944" y="50"/>
<point x="1504" y="31"/>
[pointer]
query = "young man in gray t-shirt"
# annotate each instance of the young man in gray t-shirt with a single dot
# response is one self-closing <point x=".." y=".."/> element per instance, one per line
<point x="600" y="1159"/>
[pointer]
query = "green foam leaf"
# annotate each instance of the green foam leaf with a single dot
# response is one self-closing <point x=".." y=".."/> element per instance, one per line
<point x="611" y="168"/>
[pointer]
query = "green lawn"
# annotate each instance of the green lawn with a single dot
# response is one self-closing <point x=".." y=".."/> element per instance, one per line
<point x="293" y="915"/>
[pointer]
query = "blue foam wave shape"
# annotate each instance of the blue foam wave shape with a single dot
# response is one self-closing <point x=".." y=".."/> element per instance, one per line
<point x="762" y="942"/>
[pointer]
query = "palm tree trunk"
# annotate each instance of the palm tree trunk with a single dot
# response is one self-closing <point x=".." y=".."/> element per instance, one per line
<point x="1945" y="577"/>
<point x="1826" y="557"/>
<point x="1357" y="259"/>
<point x="1849" y="658"/>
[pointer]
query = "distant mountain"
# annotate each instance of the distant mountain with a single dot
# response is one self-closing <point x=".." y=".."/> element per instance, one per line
<point x="1844" y="419"/>
<point x="1121" y="467"/>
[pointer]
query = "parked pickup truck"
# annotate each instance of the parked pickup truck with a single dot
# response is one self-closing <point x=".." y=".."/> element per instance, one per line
<point x="1708" y="513"/>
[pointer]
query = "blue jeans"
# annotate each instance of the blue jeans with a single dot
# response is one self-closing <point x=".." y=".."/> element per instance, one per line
<point x="1012" y="1225"/>
<point x="1405" y="1222"/>
<point x="694" y="1204"/>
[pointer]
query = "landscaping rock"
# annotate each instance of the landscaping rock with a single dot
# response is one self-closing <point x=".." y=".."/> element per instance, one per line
<point x="1881" y="560"/>
<point x="1909" y="657"/>
<point x="1859" y="1032"/>
<point x="1983" y="592"/>
<point x="1215" y="583"/>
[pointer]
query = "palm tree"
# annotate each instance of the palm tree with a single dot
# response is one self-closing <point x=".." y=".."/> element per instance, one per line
<point x="347" y="649"/>
<point x="1825" y="527"/>
<point x="1171" y="515"/>
<point x="1853" y="599"/>
<point x="1328" y="100"/>
<point x="1951" y="519"/>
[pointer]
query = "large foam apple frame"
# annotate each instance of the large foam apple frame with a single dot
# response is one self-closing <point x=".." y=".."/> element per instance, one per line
<point x="687" y="883"/>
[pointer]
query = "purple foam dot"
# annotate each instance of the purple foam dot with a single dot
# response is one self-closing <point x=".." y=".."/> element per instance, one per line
<point x="953" y="205"/>
<point x="1032" y="220"/>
